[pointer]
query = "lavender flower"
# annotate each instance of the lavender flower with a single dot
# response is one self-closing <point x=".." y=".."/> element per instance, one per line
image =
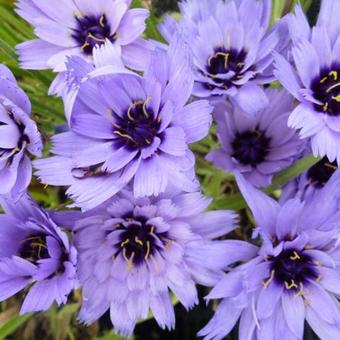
<point x="75" y="27"/>
<point x="293" y="276"/>
<point x="140" y="248"/>
<point x="311" y="181"/>
<point x="130" y="128"/>
<point x="315" y="79"/>
<point x="34" y="254"/>
<point x="18" y="136"/>
<point x="257" y="146"/>
<point x="232" y="48"/>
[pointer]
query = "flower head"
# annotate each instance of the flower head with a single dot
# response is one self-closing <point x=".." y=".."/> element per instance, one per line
<point x="257" y="146"/>
<point x="18" y="136"/>
<point x="130" y="128"/>
<point x="314" y="80"/>
<point x="139" y="249"/>
<point x="75" y="27"/>
<point x="293" y="275"/>
<point x="35" y="255"/>
<point x="232" y="48"/>
<point x="311" y="181"/>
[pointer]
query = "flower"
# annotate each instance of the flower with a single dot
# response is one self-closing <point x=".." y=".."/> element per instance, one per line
<point x="232" y="48"/>
<point x="75" y="27"/>
<point x="35" y="255"/>
<point x="259" y="146"/>
<point x="311" y="181"/>
<point x="314" y="80"/>
<point x="140" y="248"/>
<point x="293" y="276"/>
<point x="18" y="137"/>
<point x="126" y="128"/>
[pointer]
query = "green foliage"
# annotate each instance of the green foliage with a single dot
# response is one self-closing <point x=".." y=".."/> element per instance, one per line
<point x="13" y="324"/>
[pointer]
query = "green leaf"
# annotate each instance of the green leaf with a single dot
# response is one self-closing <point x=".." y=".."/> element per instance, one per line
<point x="12" y="325"/>
<point x="236" y="201"/>
<point x="277" y="10"/>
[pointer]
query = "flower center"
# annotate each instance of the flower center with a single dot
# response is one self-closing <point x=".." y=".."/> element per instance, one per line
<point x="139" y="241"/>
<point x="34" y="248"/>
<point x="92" y="31"/>
<point x="319" y="174"/>
<point x="225" y="61"/>
<point x="250" y="147"/>
<point x="139" y="127"/>
<point x="326" y="89"/>
<point x="292" y="269"/>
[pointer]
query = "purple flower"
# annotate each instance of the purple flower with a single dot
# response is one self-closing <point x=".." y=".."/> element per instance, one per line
<point x="311" y="181"/>
<point x="75" y="27"/>
<point x="18" y="137"/>
<point x="130" y="128"/>
<point x="232" y="48"/>
<point x="314" y="80"/>
<point x="293" y="276"/>
<point x="34" y="254"/>
<point x="140" y="248"/>
<point x="257" y="146"/>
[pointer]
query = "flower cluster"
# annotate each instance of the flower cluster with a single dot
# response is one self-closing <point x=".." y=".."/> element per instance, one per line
<point x="142" y="232"/>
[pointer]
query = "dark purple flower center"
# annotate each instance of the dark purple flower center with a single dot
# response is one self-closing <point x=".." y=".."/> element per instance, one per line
<point x="292" y="268"/>
<point x="138" y="128"/>
<point x="23" y="139"/>
<point x="34" y="248"/>
<point x="319" y="174"/>
<point x="92" y="31"/>
<point x="223" y="62"/>
<point x="250" y="147"/>
<point x="326" y="89"/>
<point x="139" y="241"/>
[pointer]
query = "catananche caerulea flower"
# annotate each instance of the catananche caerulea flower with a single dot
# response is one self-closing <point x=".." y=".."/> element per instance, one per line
<point x="18" y="136"/>
<point x="311" y="181"/>
<point x="75" y="27"/>
<point x="314" y="80"/>
<point x="257" y="146"/>
<point x="125" y="127"/>
<point x="35" y="254"/>
<point x="293" y="276"/>
<point x="140" y="248"/>
<point x="232" y="48"/>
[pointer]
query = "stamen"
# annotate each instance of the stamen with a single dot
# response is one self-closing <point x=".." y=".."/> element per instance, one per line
<point x="325" y="107"/>
<point x="138" y="241"/>
<point x="125" y="136"/>
<point x="101" y="21"/>
<point x="332" y="87"/>
<point x="336" y="98"/>
<point x="148" y="248"/>
<point x="296" y="256"/>
<point x="269" y="280"/>
<point x="323" y="80"/>
<point x="334" y="74"/>
<point x="146" y="113"/>
<point x="90" y="35"/>
<point x="86" y="44"/>
<point x="159" y="119"/>
<point x="124" y="243"/>
<point x="300" y="292"/>
<point x="152" y="229"/>
<point x="291" y="285"/>
<point x="331" y="166"/>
